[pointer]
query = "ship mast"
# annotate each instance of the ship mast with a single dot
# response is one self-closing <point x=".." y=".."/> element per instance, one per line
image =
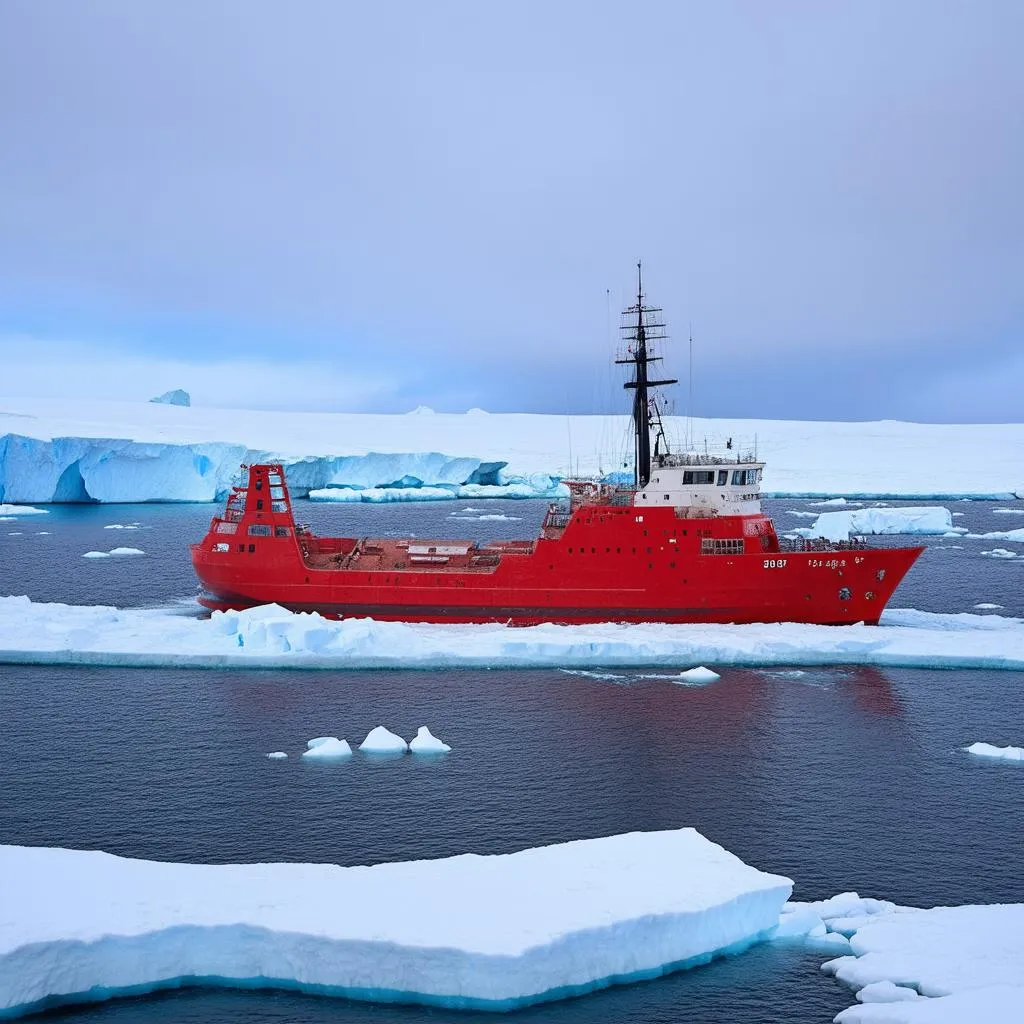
<point x="642" y="326"/>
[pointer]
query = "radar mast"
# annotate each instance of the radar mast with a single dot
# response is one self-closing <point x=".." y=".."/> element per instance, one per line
<point x="641" y="325"/>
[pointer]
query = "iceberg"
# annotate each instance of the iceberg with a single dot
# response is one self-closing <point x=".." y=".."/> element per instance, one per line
<point x="327" y="748"/>
<point x="425" y="742"/>
<point x="927" y="520"/>
<point x="113" y="552"/>
<point x="997" y="753"/>
<point x="175" y="397"/>
<point x="699" y="676"/>
<point x="382" y="741"/>
<point x="473" y="932"/>
<point x="91" y="450"/>
<point x="272" y="637"/>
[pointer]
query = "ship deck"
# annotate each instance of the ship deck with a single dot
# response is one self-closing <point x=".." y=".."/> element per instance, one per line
<point x="379" y="554"/>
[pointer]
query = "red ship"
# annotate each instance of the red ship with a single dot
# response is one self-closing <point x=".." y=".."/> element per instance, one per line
<point x="686" y="542"/>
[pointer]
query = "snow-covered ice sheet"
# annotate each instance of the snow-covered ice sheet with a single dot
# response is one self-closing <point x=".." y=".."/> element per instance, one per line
<point x="997" y="753"/>
<point x="493" y="932"/>
<point x="137" y="451"/>
<point x="271" y="637"/>
<point x="926" y="520"/>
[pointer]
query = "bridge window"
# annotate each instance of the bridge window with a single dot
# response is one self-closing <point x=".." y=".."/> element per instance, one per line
<point x="721" y="547"/>
<point x="723" y="477"/>
<point x="282" y="531"/>
<point x="699" y="476"/>
<point x="221" y="547"/>
<point x="260" y="530"/>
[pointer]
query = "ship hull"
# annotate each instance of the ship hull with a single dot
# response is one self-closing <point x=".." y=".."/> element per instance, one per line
<point x="663" y="582"/>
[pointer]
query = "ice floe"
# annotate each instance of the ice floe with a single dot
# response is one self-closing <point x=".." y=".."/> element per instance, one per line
<point x="113" y="552"/>
<point x="1014" y="536"/>
<point x="122" y="526"/>
<point x="277" y="755"/>
<point x="382" y="741"/>
<point x="425" y="742"/>
<point x="474" y="932"/>
<point x="835" y="501"/>
<point x="327" y="748"/>
<point x="1008" y="511"/>
<point x="1001" y="553"/>
<point x="926" y="520"/>
<point x="987" y="606"/>
<point x="270" y="636"/>
<point x="997" y="753"/>
<point x="21" y="510"/>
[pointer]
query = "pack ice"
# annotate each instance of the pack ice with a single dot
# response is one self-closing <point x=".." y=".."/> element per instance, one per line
<point x="941" y="966"/>
<point x="54" y="450"/>
<point x="272" y="637"/>
<point x="494" y="933"/>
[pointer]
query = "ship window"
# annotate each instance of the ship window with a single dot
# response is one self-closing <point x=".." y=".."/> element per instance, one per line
<point x="723" y="477"/>
<point x="259" y="530"/>
<point x="277" y="493"/>
<point x="666" y="497"/>
<point x="252" y="548"/>
<point x="221" y="547"/>
<point x="282" y="531"/>
<point x="593" y="551"/>
<point x="745" y="476"/>
<point x="227" y="527"/>
<point x="259" y="505"/>
<point x="259" y="484"/>
<point x="618" y="551"/>
<point x="699" y="476"/>
<point x="241" y="547"/>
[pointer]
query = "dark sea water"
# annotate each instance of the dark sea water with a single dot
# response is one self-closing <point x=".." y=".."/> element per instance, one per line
<point x="840" y="778"/>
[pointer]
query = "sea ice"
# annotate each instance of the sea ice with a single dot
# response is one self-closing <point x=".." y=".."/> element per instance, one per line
<point x="22" y="510"/>
<point x="886" y="992"/>
<point x="327" y="748"/>
<point x="382" y="741"/>
<point x="277" y="755"/>
<point x="426" y="743"/>
<point x="699" y="675"/>
<point x="988" y="606"/>
<point x="272" y="637"/>
<point x="999" y="753"/>
<point x="835" y="501"/>
<point x="472" y="932"/>
<point x="1009" y="511"/>
<point x="121" y="526"/>
<point x="838" y="526"/>
<point x="1014" y="536"/>
<point x="113" y="552"/>
<point x="1001" y="553"/>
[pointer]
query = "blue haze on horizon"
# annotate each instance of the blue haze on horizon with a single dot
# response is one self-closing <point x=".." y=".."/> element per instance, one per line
<point x="372" y="207"/>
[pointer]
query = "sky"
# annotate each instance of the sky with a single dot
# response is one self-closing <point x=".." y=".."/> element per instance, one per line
<point x="370" y="207"/>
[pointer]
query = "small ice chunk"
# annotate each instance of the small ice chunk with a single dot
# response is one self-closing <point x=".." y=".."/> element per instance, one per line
<point x="700" y="675"/>
<point x="999" y="753"/>
<point x="988" y="607"/>
<point x="426" y="742"/>
<point x="999" y="553"/>
<point x="277" y="755"/>
<point x="886" y="992"/>
<point x="127" y="551"/>
<point x="96" y="554"/>
<point x="329" y="749"/>
<point x="383" y="741"/>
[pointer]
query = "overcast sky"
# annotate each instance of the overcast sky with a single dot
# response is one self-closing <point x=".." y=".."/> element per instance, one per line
<point x="372" y="206"/>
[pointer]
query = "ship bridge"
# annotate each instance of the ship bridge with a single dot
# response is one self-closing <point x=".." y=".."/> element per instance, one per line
<point x="706" y="484"/>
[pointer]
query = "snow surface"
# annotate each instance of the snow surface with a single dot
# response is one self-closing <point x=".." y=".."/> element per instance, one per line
<point x="491" y="932"/>
<point x="140" y="451"/>
<point x="425" y="742"/>
<point x="928" y="520"/>
<point x="327" y="748"/>
<point x="270" y="636"/>
<point x="382" y="741"/>
<point x="968" y="961"/>
<point x="998" y="753"/>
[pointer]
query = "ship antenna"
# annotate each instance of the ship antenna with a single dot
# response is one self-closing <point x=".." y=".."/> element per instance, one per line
<point x="638" y="334"/>
<point x="689" y="398"/>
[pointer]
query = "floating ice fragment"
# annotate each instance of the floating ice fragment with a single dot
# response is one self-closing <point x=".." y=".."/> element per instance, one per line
<point x="426" y="743"/>
<point x="1013" y="536"/>
<point x="22" y="510"/>
<point x="998" y="753"/>
<point x="699" y="675"/>
<point x="127" y="551"/>
<point x="988" y="607"/>
<point x="121" y="526"/>
<point x="327" y="748"/>
<point x="1009" y="511"/>
<point x="382" y="741"/>
<point x="1000" y="553"/>
<point x="277" y="755"/>
<point x="839" y="526"/>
